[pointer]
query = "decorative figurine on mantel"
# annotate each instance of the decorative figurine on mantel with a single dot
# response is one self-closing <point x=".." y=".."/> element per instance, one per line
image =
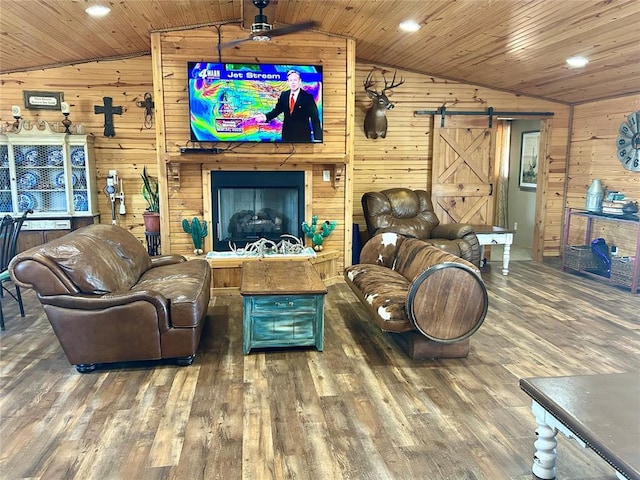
<point x="198" y="231"/>
<point x="317" y="237"/>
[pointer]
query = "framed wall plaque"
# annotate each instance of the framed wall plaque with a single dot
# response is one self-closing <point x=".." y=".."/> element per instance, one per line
<point x="42" y="100"/>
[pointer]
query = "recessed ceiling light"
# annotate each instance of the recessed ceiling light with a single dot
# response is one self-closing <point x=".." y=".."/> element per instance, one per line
<point x="409" y="26"/>
<point x="97" y="10"/>
<point x="577" y="62"/>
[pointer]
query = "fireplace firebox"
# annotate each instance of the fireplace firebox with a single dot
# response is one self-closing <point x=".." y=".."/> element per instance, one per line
<point x="250" y="205"/>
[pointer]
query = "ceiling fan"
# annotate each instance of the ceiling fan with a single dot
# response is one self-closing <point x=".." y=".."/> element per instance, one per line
<point x="262" y="31"/>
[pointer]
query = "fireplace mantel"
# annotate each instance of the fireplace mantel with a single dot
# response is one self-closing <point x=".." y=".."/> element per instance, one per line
<point x="266" y="159"/>
<point x="336" y="163"/>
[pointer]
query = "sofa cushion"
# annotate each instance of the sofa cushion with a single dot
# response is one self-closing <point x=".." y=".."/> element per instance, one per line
<point x="385" y="291"/>
<point x="99" y="259"/>
<point x="413" y="258"/>
<point x="381" y="249"/>
<point x="183" y="285"/>
<point x="399" y="210"/>
<point x="451" y="246"/>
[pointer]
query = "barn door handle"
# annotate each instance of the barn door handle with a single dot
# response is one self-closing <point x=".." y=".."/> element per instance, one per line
<point x="490" y="189"/>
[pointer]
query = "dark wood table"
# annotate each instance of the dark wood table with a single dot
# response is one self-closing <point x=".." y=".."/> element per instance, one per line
<point x="283" y="305"/>
<point x="601" y="412"/>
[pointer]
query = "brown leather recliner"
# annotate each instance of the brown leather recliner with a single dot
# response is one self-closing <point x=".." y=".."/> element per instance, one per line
<point x="410" y="212"/>
<point x="109" y="301"/>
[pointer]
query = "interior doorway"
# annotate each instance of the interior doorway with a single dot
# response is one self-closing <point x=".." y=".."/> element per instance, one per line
<point x="521" y="211"/>
<point x="517" y="202"/>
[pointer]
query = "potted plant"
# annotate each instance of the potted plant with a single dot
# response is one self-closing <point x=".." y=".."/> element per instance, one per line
<point x="151" y="194"/>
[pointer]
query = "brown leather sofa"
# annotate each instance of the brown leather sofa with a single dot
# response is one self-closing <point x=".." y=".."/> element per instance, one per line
<point x="410" y="212"/>
<point x="109" y="301"/>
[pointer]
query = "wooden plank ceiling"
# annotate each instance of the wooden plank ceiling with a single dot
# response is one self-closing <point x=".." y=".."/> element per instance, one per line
<point x="514" y="45"/>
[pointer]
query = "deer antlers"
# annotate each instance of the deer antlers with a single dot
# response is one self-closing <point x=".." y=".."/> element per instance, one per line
<point x="375" y="121"/>
<point x="368" y="83"/>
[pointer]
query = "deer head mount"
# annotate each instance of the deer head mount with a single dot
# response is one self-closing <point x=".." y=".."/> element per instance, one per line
<point x="375" y="121"/>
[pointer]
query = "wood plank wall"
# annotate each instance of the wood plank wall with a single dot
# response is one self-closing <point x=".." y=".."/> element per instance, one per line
<point x="329" y="199"/>
<point x="84" y="86"/>
<point x="403" y="158"/>
<point x="593" y="155"/>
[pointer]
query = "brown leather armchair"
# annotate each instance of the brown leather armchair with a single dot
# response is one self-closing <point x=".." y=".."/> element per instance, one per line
<point x="410" y="212"/>
<point x="109" y="301"/>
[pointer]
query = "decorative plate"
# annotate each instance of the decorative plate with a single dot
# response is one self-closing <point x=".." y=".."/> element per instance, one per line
<point x="5" y="180"/>
<point x="26" y="201"/>
<point x="82" y="181"/>
<point x="80" y="201"/>
<point x="77" y="157"/>
<point x="27" y="181"/>
<point x="55" y="158"/>
<point x="30" y="156"/>
<point x="60" y="179"/>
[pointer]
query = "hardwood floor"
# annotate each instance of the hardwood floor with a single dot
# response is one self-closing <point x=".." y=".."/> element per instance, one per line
<point x="359" y="410"/>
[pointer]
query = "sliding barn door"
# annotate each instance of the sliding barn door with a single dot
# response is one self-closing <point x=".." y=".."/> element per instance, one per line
<point x="463" y="183"/>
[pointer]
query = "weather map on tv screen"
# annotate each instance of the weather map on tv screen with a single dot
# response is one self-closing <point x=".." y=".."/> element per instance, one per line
<point x="225" y="98"/>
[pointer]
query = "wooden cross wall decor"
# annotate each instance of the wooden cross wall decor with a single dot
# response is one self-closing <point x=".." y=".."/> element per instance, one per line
<point x="108" y="110"/>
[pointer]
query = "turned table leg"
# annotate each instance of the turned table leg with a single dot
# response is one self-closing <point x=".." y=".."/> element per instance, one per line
<point x="595" y="411"/>
<point x="506" y="256"/>
<point x="544" y="460"/>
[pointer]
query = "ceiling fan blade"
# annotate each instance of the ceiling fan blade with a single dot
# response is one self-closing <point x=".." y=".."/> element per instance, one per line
<point x="277" y="32"/>
<point x="298" y="27"/>
<point x="234" y="43"/>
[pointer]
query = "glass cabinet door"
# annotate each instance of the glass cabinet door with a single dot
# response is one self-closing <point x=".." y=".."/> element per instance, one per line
<point x="6" y="200"/>
<point x="49" y="172"/>
<point x="80" y="190"/>
<point x="40" y="178"/>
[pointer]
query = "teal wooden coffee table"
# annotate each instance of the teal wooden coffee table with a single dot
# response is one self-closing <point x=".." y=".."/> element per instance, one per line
<point x="283" y="305"/>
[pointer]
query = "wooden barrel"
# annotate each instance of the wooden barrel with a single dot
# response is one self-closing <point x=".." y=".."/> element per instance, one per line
<point x="447" y="302"/>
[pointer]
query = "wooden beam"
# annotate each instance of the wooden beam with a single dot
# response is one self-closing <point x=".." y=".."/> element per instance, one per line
<point x="161" y="150"/>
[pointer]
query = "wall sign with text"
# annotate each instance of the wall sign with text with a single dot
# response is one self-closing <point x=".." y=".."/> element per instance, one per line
<point x="42" y="100"/>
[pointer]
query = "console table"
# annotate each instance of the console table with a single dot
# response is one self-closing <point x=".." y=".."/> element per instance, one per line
<point x="633" y="281"/>
<point x="490" y="235"/>
<point x="598" y="411"/>
<point x="283" y="305"/>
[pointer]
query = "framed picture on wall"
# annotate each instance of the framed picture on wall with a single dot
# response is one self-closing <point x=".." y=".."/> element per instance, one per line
<point x="42" y="100"/>
<point x="529" y="160"/>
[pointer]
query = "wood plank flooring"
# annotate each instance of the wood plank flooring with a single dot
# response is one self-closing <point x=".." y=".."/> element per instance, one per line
<point x="359" y="410"/>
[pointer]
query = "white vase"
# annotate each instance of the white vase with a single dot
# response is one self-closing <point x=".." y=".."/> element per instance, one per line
<point x="595" y="195"/>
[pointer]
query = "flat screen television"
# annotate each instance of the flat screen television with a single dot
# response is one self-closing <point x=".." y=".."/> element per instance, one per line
<point x="228" y="102"/>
